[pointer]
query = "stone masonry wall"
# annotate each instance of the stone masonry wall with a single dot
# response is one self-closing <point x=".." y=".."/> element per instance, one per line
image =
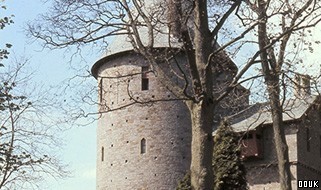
<point x="309" y="158"/>
<point x="263" y="173"/>
<point x="164" y="125"/>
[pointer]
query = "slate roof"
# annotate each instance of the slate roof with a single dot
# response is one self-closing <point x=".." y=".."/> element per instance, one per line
<point x="257" y="114"/>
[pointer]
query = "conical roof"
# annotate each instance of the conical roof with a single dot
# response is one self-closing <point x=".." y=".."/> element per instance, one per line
<point x="121" y="44"/>
<point x="162" y="39"/>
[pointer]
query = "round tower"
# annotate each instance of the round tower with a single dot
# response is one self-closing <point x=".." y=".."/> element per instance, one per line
<point x="143" y="142"/>
<point x="144" y="132"/>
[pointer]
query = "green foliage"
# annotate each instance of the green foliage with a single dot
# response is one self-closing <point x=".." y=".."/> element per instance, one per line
<point x="12" y="158"/>
<point x="185" y="183"/>
<point x="20" y="160"/>
<point x="3" y="23"/>
<point x="229" y="172"/>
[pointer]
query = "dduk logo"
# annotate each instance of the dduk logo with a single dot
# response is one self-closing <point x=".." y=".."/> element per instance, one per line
<point x="308" y="183"/>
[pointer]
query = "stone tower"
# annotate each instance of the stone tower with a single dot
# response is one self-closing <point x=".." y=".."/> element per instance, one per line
<point x="143" y="142"/>
<point x="140" y="146"/>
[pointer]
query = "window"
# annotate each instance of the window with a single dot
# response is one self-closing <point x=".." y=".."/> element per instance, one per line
<point x="145" y="79"/>
<point x="320" y="144"/>
<point x="308" y="138"/>
<point x="102" y="154"/>
<point x="143" y="146"/>
<point x="101" y="90"/>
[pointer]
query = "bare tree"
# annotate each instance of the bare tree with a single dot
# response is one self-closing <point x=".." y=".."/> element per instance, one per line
<point x="192" y="27"/>
<point x="192" y="32"/>
<point x="279" y="21"/>
<point x="90" y="21"/>
<point x="28" y="133"/>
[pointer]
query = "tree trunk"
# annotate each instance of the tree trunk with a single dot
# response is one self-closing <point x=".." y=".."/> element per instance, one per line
<point x="202" y="107"/>
<point x="202" y="177"/>
<point x="271" y="71"/>
<point x="279" y="134"/>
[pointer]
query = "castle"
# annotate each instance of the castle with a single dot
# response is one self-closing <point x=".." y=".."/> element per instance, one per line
<point x="144" y="133"/>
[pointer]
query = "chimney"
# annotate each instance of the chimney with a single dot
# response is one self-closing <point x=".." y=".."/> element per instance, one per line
<point x="302" y="86"/>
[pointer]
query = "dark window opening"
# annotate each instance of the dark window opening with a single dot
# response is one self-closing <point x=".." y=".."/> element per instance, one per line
<point x="145" y="78"/>
<point x="145" y="71"/>
<point x="308" y="139"/>
<point x="102" y="154"/>
<point x="143" y="146"/>
<point x="320" y="144"/>
<point x="145" y="84"/>
<point x="101" y="90"/>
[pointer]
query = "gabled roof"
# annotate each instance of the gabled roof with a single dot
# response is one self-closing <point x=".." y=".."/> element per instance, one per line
<point x="257" y="114"/>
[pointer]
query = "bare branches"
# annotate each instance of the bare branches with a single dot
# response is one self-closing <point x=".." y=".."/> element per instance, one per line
<point x="79" y="22"/>
<point x="147" y="22"/>
<point x="23" y="158"/>
<point x="160" y="42"/>
<point x="226" y="15"/>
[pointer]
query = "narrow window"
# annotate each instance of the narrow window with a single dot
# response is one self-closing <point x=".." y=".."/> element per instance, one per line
<point x="320" y="144"/>
<point x="102" y="154"/>
<point x="145" y="79"/>
<point x="101" y="90"/>
<point x="308" y="139"/>
<point x="143" y="146"/>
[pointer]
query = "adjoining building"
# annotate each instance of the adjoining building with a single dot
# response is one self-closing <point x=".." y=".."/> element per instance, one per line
<point x="144" y="131"/>
<point x="302" y="122"/>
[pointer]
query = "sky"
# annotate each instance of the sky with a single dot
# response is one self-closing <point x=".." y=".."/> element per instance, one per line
<point x="51" y="68"/>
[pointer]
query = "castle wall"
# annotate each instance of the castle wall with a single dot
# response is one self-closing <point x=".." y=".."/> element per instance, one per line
<point x="309" y="145"/>
<point x="263" y="173"/>
<point x="269" y="152"/>
<point x="304" y="142"/>
<point x="266" y="177"/>
<point x="144" y="135"/>
<point x="122" y="161"/>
